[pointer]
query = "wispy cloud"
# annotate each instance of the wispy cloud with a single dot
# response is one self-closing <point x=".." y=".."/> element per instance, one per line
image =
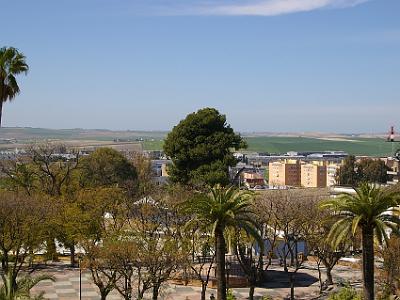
<point x="260" y="7"/>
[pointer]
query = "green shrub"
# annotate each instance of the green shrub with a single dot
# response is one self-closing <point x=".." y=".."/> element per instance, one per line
<point x="230" y="295"/>
<point x="346" y="293"/>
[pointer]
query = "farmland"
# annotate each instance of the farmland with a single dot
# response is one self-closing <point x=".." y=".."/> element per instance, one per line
<point x="153" y="140"/>
<point x="271" y="144"/>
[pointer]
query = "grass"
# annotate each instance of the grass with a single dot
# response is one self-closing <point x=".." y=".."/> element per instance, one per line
<point x="153" y="145"/>
<point x="357" y="146"/>
<point x="372" y="147"/>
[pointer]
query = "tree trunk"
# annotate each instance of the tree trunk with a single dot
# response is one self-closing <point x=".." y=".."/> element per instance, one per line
<point x="319" y="276"/>
<point x="103" y="294"/>
<point x="203" y="291"/>
<point x="156" y="289"/>
<point x="72" y="255"/>
<point x="1" y="110"/>
<point x="368" y="262"/>
<point x="291" y="281"/>
<point x="329" y="279"/>
<point x="251" y="292"/>
<point x="220" y="256"/>
<point x="51" y="248"/>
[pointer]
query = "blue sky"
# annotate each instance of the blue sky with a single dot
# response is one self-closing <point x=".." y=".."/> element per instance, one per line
<point x="269" y="65"/>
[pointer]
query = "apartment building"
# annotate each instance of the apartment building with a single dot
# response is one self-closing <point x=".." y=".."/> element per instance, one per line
<point x="313" y="174"/>
<point x="284" y="173"/>
<point x="305" y="173"/>
<point x="331" y="171"/>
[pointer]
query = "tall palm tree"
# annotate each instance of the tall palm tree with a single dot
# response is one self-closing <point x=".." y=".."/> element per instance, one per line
<point x="372" y="210"/>
<point x="12" y="63"/>
<point x="217" y="211"/>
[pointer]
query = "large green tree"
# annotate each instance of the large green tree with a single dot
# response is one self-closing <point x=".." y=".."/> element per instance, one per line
<point x="372" y="170"/>
<point x="217" y="211"/>
<point x="353" y="172"/>
<point x="107" y="167"/>
<point x="200" y="148"/>
<point x="12" y="63"/>
<point x="372" y="210"/>
<point x="347" y="174"/>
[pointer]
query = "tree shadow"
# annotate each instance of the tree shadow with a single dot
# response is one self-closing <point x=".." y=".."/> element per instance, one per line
<point x="279" y="279"/>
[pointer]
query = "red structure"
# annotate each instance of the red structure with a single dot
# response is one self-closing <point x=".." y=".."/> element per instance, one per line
<point x="390" y="137"/>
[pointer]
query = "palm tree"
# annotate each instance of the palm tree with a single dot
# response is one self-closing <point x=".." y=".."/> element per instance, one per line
<point x="372" y="210"/>
<point x="12" y="63"/>
<point x="217" y="211"/>
<point x="21" y="291"/>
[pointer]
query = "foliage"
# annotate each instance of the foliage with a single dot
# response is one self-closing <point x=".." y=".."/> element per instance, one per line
<point x="23" y="287"/>
<point x="354" y="173"/>
<point x="293" y="215"/>
<point x="217" y="211"/>
<point x="222" y="207"/>
<point x="346" y="293"/>
<point x="12" y="63"/>
<point x="372" y="170"/>
<point x="40" y="171"/>
<point x="106" y="167"/>
<point x="391" y="266"/>
<point x="346" y="174"/>
<point x="22" y="230"/>
<point x="368" y="207"/>
<point x="371" y="210"/>
<point x="200" y="148"/>
<point x="230" y="295"/>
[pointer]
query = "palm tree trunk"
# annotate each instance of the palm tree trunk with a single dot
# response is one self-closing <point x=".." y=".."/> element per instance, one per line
<point x="220" y="256"/>
<point x="368" y="262"/>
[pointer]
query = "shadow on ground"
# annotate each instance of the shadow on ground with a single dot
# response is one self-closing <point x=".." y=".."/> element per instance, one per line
<point x="279" y="279"/>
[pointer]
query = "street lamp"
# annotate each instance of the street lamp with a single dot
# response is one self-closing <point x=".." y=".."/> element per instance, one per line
<point x="80" y="276"/>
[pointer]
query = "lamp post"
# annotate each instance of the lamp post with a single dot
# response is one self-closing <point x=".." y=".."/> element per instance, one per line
<point x="80" y="276"/>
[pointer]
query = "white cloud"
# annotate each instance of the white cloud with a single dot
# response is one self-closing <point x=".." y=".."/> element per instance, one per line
<point x="267" y="7"/>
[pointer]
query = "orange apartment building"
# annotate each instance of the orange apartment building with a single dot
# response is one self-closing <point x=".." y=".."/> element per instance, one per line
<point x="313" y="174"/>
<point x="299" y="173"/>
<point x="284" y="173"/>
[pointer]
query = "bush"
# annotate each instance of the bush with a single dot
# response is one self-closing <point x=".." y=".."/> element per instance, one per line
<point x="230" y="295"/>
<point x="346" y="293"/>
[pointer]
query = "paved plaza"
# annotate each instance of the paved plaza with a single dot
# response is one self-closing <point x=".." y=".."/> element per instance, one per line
<point x="67" y="282"/>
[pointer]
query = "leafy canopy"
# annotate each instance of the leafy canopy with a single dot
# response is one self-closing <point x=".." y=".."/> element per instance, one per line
<point x="12" y="63"/>
<point x="200" y="148"/>
<point x="106" y="167"/>
<point x="369" y="207"/>
<point x="223" y="208"/>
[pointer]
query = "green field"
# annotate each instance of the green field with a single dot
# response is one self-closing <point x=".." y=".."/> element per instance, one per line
<point x="153" y="140"/>
<point x="356" y="146"/>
